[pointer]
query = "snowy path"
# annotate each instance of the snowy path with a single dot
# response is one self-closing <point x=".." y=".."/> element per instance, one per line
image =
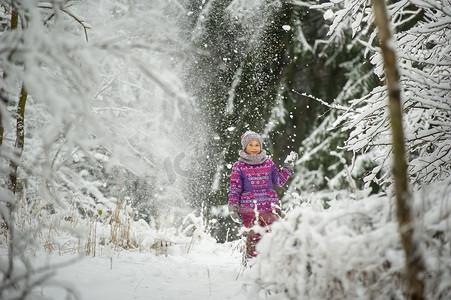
<point x="209" y="271"/>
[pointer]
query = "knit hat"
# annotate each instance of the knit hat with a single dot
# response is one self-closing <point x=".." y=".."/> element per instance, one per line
<point x="250" y="136"/>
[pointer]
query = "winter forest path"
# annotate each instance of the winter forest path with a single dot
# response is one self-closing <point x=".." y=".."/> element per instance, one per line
<point x="208" y="271"/>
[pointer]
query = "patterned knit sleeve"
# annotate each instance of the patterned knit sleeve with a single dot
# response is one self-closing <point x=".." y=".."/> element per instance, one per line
<point x="236" y="186"/>
<point x="280" y="177"/>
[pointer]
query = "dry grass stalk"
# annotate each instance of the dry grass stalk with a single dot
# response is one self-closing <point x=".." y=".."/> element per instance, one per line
<point x="161" y="245"/>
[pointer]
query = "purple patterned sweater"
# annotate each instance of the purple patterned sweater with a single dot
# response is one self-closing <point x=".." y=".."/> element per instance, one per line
<point x="254" y="184"/>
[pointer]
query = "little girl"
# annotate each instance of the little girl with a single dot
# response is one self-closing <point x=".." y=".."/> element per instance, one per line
<point x="252" y="198"/>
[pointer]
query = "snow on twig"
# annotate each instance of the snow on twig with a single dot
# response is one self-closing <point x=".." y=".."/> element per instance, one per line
<point x="333" y="106"/>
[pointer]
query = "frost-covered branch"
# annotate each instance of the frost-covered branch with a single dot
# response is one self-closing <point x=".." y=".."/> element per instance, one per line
<point x="77" y="18"/>
<point x="424" y="74"/>
<point x="66" y="9"/>
<point x="78" y="148"/>
<point x="333" y="105"/>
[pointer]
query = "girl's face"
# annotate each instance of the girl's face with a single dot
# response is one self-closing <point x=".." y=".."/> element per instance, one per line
<point x="253" y="147"/>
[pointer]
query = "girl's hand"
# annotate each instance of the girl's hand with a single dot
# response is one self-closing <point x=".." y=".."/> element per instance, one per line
<point x="234" y="214"/>
<point x="291" y="159"/>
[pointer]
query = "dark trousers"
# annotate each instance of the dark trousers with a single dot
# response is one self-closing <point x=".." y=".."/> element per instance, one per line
<point x="250" y="219"/>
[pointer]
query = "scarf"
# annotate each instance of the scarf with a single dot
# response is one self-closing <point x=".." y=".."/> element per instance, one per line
<point x="252" y="159"/>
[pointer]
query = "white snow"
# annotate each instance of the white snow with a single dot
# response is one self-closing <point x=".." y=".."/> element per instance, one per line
<point x="139" y="108"/>
<point x="352" y="249"/>
<point x="286" y="27"/>
<point x="328" y="15"/>
<point x="291" y="157"/>
<point x="208" y="271"/>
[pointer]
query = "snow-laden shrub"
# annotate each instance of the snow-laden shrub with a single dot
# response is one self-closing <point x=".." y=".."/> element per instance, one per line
<point x="110" y="230"/>
<point x="101" y="118"/>
<point x="352" y="250"/>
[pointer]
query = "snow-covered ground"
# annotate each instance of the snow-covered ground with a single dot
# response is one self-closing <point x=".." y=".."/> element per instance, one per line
<point x="209" y="271"/>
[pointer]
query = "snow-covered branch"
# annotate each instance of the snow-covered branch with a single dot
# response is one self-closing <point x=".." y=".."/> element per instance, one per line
<point x="424" y="61"/>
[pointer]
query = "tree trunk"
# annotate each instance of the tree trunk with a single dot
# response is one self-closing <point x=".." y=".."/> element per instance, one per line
<point x="20" y="129"/>
<point x="2" y="129"/>
<point x="415" y="269"/>
<point x="20" y="138"/>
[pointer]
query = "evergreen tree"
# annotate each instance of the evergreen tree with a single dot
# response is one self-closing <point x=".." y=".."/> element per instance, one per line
<point x="259" y="60"/>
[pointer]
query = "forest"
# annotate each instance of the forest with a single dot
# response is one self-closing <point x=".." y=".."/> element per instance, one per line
<point x="120" y="121"/>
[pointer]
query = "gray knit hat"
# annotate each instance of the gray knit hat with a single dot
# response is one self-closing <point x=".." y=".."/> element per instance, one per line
<point x="251" y="136"/>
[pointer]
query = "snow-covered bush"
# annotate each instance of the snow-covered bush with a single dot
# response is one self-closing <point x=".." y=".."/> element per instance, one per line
<point x="352" y="250"/>
<point x="105" y="109"/>
<point x="101" y="118"/>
